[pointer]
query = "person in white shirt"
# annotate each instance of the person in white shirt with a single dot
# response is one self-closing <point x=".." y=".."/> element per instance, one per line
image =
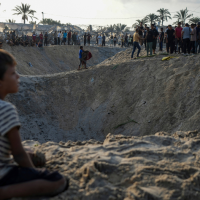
<point x="99" y="40"/>
<point x="59" y="35"/>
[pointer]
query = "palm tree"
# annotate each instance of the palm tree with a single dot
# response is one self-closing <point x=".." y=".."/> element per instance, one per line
<point x="152" y="18"/>
<point x="119" y="27"/>
<point x="48" y="21"/>
<point x="182" y="16"/>
<point x="138" y="21"/>
<point x="32" y="22"/>
<point x="164" y="14"/>
<point x="110" y="28"/>
<point x="194" y="20"/>
<point x="11" y="21"/>
<point x="25" y="11"/>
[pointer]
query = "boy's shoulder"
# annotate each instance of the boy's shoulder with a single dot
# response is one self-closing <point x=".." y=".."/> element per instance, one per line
<point x="8" y="117"/>
<point x="5" y="104"/>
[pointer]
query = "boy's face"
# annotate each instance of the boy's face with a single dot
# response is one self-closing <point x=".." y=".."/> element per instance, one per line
<point x="10" y="81"/>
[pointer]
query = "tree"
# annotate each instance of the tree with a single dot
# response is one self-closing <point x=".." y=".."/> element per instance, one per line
<point x="164" y="14"/>
<point x="48" y="21"/>
<point x="32" y="22"/>
<point x="11" y="21"/>
<point x="111" y="28"/>
<point x="182" y="16"/>
<point x="127" y="29"/>
<point x="152" y="18"/>
<point x="25" y="11"/>
<point x="138" y="21"/>
<point x="119" y="27"/>
<point x="194" y="20"/>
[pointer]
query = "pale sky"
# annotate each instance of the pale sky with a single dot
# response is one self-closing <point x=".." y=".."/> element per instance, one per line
<point x="107" y="10"/>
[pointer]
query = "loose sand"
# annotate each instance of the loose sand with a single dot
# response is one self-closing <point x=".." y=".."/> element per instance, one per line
<point x="158" y="167"/>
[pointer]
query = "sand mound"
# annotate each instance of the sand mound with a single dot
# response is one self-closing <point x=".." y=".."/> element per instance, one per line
<point x="55" y="59"/>
<point x="160" y="166"/>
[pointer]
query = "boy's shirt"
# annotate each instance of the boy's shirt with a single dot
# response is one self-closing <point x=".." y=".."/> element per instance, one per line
<point x="80" y="53"/>
<point x="8" y="119"/>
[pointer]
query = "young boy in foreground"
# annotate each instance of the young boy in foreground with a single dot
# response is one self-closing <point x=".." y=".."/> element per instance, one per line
<point x="18" y="175"/>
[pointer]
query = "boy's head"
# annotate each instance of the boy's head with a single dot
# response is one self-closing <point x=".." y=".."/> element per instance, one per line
<point x="9" y="79"/>
<point x="81" y="47"/>
<point x="179" y="24"/>
<point x="161" y="29"/>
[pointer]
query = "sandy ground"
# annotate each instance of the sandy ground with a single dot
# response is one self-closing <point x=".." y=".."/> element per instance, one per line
<point x="158" y="167"/>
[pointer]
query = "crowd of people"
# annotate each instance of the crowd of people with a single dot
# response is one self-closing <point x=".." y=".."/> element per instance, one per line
<point x="180" y="39"/>
<point x="40" y="40"/>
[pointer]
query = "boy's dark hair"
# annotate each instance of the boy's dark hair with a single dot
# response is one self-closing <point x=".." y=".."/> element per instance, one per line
<point x="6" y="59"/>
<point x="161" y="28"/>
<point x="81" y="47"/>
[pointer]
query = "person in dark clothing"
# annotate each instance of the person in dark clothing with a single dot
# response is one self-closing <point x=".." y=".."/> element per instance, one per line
<point x="145" y="32"/>
<point x="115" y="40"/>
<point x="161" y="39"/>
<point x="103" y="40"/>
<point x="149" y="39"/>
<point x="155" y="36"/>
<point x="85" y="37"/>
<point x="171" y="39"/>
<point x="45" y="39"/>
<point x="69" y="35"/>
<point x="88" y="38"/>
<point x="141" y="29"/>
<point x="198" y="38"/>
<point x="13" y="36"/>
<point x="126" y="40"/>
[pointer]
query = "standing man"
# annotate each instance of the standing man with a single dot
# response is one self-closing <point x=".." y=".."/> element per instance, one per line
<point x="186" y="38"/>
<point x="59" y="34"/>
<point x="41" y="37"/>
<point x="55" y="38"/>
<point x="141" y="29"/>
<point x="193" y="38"/>
<point x="69" y="35"/>
<point x="103" y="40"/>
<point x="84" y="38"/>
<point x="99" y="40"/>
<point x="65" y="37"/>
<point x="171" y="39"/>
<point x="74" y="38"/>
<point x="198" y="37"/>
<point x="145" y="32"/>
<point x="178" y="32"/>
<point x="155" y="36"/>
<point x="136" y="39"/>
<point x="149" y="39"/>
<point x="126" y="40"/>
<point x="45" y="38"/>
<point x="161" y="39"/>
<point x="88" y="38"/>
<point x="33" y="38"/>
<point x="13" y="36"/>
